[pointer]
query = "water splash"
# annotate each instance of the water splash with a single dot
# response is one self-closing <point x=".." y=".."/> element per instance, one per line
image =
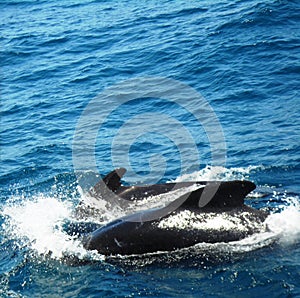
<point x="38" y="224"/>
<point x="285" y="224"/>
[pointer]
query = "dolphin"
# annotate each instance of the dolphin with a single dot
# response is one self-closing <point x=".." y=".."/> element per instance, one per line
<point x="185" y="222"/>
<point x="112" y="183"/>
<point x="110" y="189"/>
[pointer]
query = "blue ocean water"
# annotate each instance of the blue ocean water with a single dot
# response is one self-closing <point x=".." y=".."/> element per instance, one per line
<point x="57" y="57"/>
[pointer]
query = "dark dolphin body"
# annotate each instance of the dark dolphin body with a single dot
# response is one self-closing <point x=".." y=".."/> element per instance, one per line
<point x="180" y="224"/>
<point x="112" y="182"/>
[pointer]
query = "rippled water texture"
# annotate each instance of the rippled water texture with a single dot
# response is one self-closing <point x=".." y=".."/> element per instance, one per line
<point x="241" y="58"/>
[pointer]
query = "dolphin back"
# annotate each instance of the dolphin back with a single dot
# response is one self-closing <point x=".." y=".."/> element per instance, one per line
<point x="219" y="195"/>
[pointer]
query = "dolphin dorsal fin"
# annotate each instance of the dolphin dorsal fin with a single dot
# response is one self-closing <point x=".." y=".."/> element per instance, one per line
<point x="113" y="179"/>
<point x="219" y="195"/>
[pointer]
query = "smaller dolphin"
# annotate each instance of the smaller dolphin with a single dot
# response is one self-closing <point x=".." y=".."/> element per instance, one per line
<point x="111" y="190"/>
<point x="112" y="183"/>
<point x="180" y="224"/>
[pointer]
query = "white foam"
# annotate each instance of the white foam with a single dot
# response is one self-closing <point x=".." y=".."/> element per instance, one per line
<point x="286" y="224"/>
<point x="188" y="220"/>
<point x="210" y="173"/>
<point x="38" y="223"/>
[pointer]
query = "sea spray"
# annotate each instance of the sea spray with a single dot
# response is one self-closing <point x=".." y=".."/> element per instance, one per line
<point x="38" y="224"/>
